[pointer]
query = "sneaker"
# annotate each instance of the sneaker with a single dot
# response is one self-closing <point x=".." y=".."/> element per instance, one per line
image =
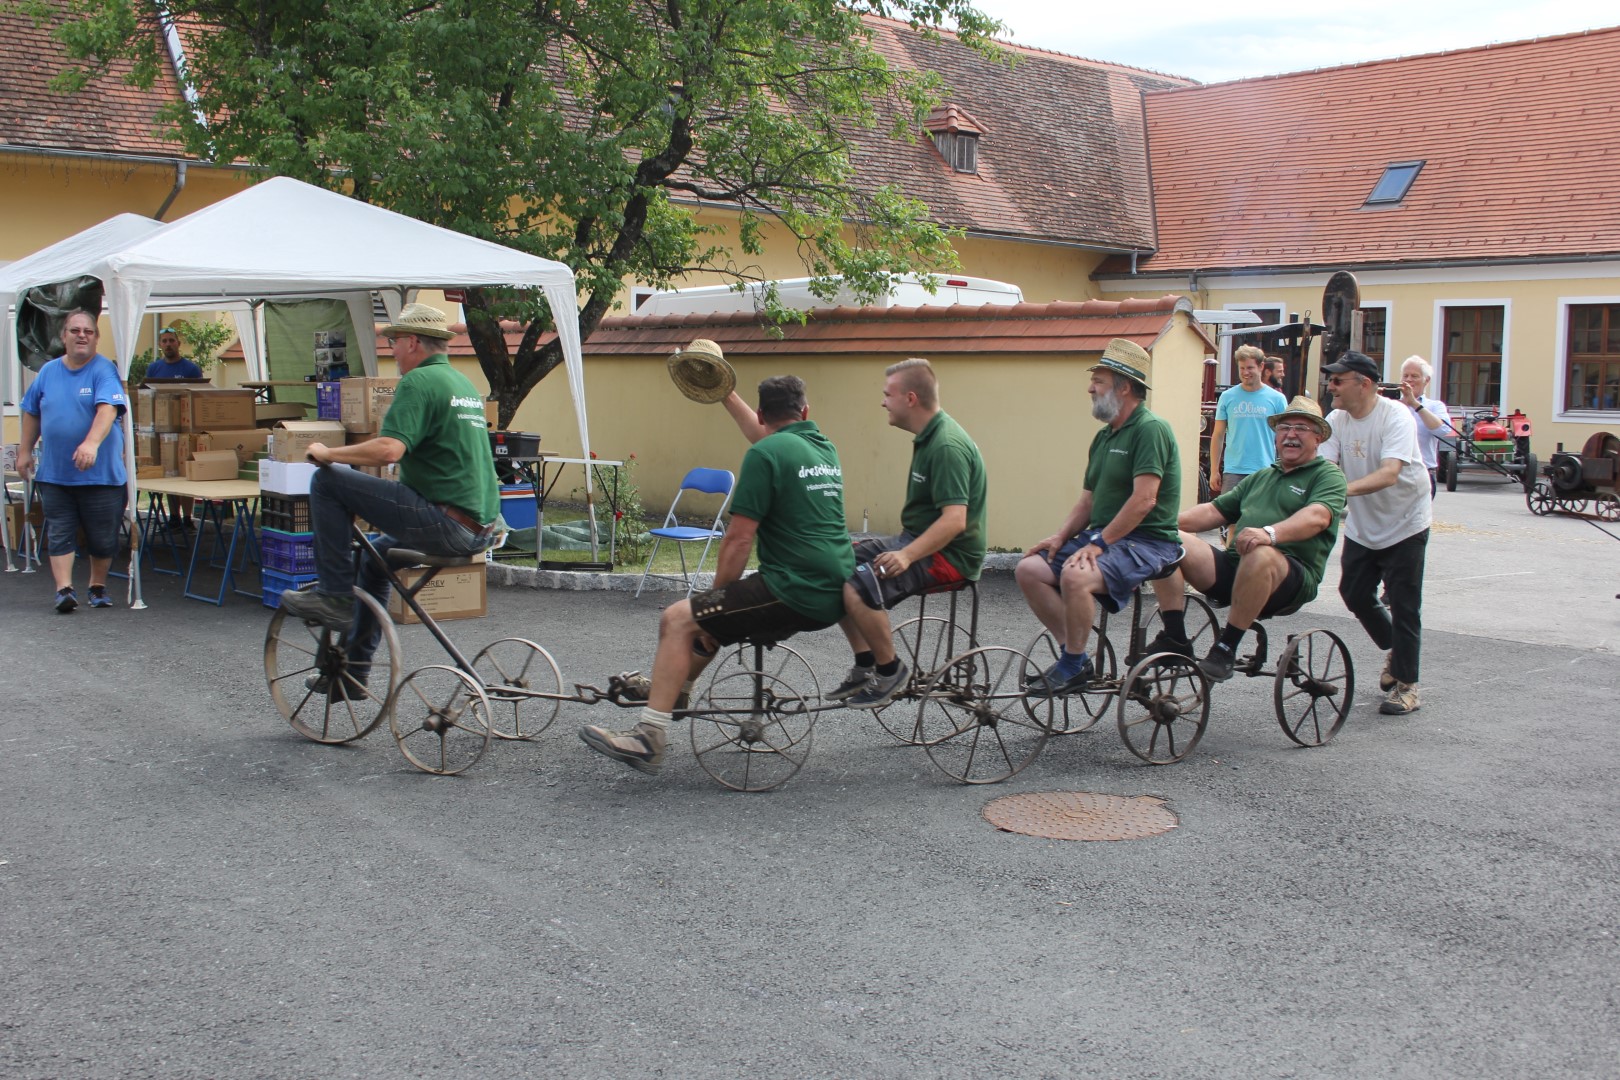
<point x="1218" y="665"/>
<point x="853" y="683"/>
<point x="1386" y="681"/>
<point x="880" y="689"/>
<point x="328" y="609"/>
<point x="641" y="748"/>
<point x="1163" y="642"/>
<point x="99" y="597"/>
<point x="320" y="684"/>
<point x="1402" y="699"/>
<point x="634" y="686"/>
<point x="66" y="600"/>
<point x="1051" y="683"/>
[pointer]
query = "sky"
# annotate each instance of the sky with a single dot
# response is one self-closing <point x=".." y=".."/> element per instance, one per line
<point x="1212" y="41"/>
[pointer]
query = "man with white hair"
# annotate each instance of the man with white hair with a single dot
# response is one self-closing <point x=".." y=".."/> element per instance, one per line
<point x="1429" y="414"/>
<point x="1122" y="531"/>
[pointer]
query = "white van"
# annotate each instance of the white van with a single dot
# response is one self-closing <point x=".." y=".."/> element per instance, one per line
<point x="794" y="293"/>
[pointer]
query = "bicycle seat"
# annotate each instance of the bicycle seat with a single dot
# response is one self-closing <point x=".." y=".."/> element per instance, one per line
<point x="401" y="557"/>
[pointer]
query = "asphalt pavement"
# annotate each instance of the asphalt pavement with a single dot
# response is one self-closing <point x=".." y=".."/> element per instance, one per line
<point x="188" y="888"/>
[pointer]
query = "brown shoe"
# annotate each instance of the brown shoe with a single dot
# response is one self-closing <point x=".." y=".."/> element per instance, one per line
<point x="637" y="687"/>
<point x="641" y="748"/>
<point x="1402" y="699"/>
<point x="1386" y="681"/>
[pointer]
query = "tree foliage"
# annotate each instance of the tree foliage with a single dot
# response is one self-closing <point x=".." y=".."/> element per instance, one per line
<point x="586" y="131"/>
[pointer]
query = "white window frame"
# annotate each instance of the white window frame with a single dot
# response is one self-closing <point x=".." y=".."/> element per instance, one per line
<point x="1439" y="339"/>
<point x="1561" y="363"/>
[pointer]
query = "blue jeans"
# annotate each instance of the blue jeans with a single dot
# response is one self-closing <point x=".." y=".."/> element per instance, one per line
<point x="406" y="519"/>
<point x="96" y="508"/>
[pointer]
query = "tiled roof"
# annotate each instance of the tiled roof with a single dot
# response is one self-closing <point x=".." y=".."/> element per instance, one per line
<point x="106" y="117"/>
<point x="1061" y="157"/>
<point x="1522" y="144"/>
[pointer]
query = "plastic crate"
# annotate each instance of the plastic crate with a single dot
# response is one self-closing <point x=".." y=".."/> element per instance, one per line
<point x="284" y="513"/>
<point x="287" y="552"/>
<point x="329" y="401"/>
<point x="514" y="444"/>
<point x="275" y="584"/>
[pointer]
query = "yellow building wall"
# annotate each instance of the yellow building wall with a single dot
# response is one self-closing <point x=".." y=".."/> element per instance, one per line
<point x="1030" y="415"/>
<point x="1535" y="337"/>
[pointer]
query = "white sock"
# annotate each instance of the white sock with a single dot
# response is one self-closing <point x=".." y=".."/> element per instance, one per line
<point x="653" y="718"/>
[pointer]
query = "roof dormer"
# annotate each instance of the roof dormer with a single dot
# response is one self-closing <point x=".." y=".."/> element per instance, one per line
<point x="956" y="137"/>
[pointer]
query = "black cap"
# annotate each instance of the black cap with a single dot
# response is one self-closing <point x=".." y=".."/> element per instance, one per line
<point x="1357" y="364"/>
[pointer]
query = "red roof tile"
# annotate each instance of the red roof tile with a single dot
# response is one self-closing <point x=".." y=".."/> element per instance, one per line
<point x="1521" y="143"/>
<point x="106" y="117"/>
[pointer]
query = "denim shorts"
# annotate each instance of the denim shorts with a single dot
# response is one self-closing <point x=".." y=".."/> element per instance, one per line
<point x="932" y="573"/>
<point x="95" y="508"/>
<point x="1129" y="561"/>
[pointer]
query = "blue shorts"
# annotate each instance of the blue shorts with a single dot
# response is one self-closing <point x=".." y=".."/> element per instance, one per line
<point x="1127" y="563"/>
<point x="95" y="508"/>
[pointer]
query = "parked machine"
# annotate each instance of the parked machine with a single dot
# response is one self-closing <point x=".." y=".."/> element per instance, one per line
<point x="1488" y="441"/>
<point x="1582" y="485"/>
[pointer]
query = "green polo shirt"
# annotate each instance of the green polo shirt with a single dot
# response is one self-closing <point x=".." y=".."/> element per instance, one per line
<point x="1143" y="446"/>
<point x="439" y="417"/>
<point x="1271" y="495"/>
<point x="948" y="470"/>
<point x="793" y="486"/>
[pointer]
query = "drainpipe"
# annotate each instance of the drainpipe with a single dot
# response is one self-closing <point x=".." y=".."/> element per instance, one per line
<point x="177" y="56"/>
<point x="174" y="192"/>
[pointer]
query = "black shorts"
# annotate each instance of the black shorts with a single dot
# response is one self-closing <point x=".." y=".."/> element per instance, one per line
<point x="745" y="610"/>
<point x="1281" y="601"/>
<point x="927" y="575"/>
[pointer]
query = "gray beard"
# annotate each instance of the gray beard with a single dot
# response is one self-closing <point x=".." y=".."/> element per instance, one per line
<point x="1105" y="407"/>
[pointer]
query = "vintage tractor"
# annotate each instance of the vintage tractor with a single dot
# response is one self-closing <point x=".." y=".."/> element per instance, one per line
<point x="1584" y="484"/>
<point x="1487" y="440"/>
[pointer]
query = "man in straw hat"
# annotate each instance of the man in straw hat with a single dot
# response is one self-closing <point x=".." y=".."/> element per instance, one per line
<point x="941" y="544"/>
<point x="1284" y="518"/>
<point x="446" y="501"/>
<point x="1121" y="532"/>
<point x="1386" y="533"/>
<point x="790" y="501"/>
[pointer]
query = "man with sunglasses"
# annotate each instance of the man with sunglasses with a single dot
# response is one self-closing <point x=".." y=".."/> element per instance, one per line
<point x="1386" y="531"/>
<point x="1284" y="520"/>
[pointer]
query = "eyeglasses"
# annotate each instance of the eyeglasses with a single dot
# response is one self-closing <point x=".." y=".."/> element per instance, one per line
<point x="82" y="331"/>
<point x="1296" y="429"/>
<point x="1340" y="380"/>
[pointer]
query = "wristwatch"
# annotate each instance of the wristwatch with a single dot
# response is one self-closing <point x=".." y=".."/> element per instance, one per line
<point x="1271" y="534"/>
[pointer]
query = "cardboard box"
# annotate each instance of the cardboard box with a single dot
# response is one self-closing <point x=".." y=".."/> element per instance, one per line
<point x="219" y="410"/>
<point x="454" y="593"/>
<point x="174" y="449"/>
<point x="285" y="477"/>
<point x="148" y="447"/>
<point x="248" y="442"/>
<point x="212" y="465"/>
<point x="290" y="438"/>
<point x="366" y="401"/>
<point x="8" y="457"/>
<point x="161" y="408"/>
<point x="268" y="416"/>
<point x="149" y="472"/>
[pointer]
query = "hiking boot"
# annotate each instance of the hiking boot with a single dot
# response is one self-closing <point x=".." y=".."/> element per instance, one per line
<point x="853" y="683"/>
<point x="634" y="686"/>
<point x="1402" y="699"/>
<point x="1051" y="682"/>
<point x="880" y="689"/>
<point x="641" y="748"/>
<point x="99" y="597"/>
<point x="1218" y="665"/>
<point x="327" y="609"/>
<point x="1163" y="642"/>
<point x="66" y="600"/>
<point x="1386" y="681"/>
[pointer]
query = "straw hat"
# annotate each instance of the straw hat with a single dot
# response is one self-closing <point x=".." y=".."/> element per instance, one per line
<point x="1129" y="359"/>
<point x="1310" y="410"/>
<point x="422" y="320"/>
<point x="701" y="373"/>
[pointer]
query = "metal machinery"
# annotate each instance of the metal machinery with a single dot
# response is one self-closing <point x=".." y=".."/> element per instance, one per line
<point x="1584" y="484"/>
<point x="1490" y="441"/>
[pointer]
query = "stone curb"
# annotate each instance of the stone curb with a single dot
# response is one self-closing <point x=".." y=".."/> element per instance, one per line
<point x="531" y="577"/>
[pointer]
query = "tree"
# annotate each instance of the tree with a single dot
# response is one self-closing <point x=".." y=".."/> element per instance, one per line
<point x="586" y="132"/>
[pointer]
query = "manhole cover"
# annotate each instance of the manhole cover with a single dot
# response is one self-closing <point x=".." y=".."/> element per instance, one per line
<point x="1081" y="815"/>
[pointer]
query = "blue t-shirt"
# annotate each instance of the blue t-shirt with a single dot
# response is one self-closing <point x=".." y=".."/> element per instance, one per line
<point x="65" y="402"/>
<point x="180" y="369"/>
<point x="1250" y="445"/>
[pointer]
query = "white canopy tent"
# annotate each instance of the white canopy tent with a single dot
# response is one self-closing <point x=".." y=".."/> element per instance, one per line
<point x="281" y="240"/>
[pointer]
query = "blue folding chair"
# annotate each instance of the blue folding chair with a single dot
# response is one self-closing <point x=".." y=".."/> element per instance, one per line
<point x="709" y="482"/>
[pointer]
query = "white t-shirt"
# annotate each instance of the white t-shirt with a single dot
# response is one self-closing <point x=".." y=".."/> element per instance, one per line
<point x="1383" y="518"/>
<point x="1426" y="438"/>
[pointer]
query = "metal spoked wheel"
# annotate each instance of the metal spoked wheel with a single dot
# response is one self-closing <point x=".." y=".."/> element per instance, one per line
<point x="1607" y="506"/>
<point x="440" y="719"/>
<point x="302" y="663"/>
<point x="977" y="722"/>
<point x="1163" y="708"/>
<point x="1541" y="499"/>
<point x="509" y="667"/>
<point x="923" y="644"/>
<point x="1315" y="684"/>
<point x="1203" y="628"/>
<point x="753" y="728"/>
<point x="1075" y="713"/>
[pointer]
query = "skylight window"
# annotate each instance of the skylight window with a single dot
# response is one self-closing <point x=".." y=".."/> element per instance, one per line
<point x="1394" y="184"/>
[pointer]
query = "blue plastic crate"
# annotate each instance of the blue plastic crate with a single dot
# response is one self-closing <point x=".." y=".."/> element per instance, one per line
<point x="275" y="583"/>
<point x="287" y="552"/>
<point x="329" y="401"/>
